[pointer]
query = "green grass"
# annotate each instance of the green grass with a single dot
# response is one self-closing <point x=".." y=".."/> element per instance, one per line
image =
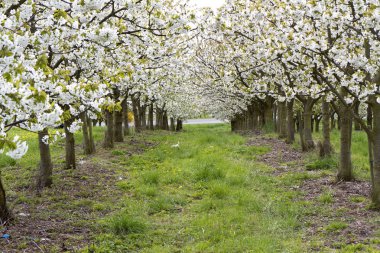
<point x="336" y="226"/>
<point x="208" y="195"/>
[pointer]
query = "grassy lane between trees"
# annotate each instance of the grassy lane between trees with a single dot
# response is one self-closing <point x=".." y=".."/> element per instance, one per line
<point x="212" y="194"/>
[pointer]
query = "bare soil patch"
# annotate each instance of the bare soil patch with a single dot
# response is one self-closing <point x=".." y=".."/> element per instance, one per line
<point x="281" y="153"/>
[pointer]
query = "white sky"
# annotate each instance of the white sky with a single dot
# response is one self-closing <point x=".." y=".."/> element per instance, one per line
<point x="208" y="3"/>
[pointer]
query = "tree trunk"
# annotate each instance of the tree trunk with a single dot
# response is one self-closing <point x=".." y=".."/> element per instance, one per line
<point x="46" y="167"/>
<point x="119" y="134"/>
<point x="317" y="123"/>
<point x="369" y="117"/>
<point x="166" y="121"/>
<point x="69" y="146"/>
<point x="301" y="129"/>
<point x="268" y="113"/>
<point x="109" y="133"/>
<point x="143" y="117"/>
<point x="307" y="112"/>
<point x="290" y="122"/>
<point x="4" y="213"/>
<point x="356" y="111"/>
<point x="250" y="118"/>
<point x="136" y="115"/>
<point x="345" y="166"/>
<point x="151" y="117"/>
<point x="325" y="148"/>
<point x="86" y="138"/>
<point x="333" y="125"/>
<point x="124" y="105"/>
<point x="91" y="135"/>
<point x="158" y="118"/>
<point x="376" y="155"/>
<point x="274" y="120"/>
<point x="338" y="122"/>
<point x="172" y="124"/>
<point x="179" y="125"/>
<point x="282" y="125"/>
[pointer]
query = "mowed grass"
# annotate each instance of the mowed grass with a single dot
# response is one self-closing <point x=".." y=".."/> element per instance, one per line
<point x="208" y="195"/>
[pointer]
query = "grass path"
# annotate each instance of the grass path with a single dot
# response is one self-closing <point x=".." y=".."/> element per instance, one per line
<point x="206" y="196"/>
<point x="217" y="192"/>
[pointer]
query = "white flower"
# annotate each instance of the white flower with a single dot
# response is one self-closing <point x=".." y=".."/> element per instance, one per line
<point x="45" y="139"/>
<point x="75" y="126"/>
<point x="20" y="150"/>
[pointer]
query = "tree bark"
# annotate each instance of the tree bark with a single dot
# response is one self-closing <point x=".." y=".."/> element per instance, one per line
<point x="332" y="116"/>
<point x="301" y="129"/>
<point x="124" y="105"/>
<point x="290" y="121"/>
<point x="179" y="125"/>
<point x="307" y="112"/>
<point x="317" y="123"/>
<point x="268" y="113"/>
<point x="142" y="111"/>
<point x="4" y="212"/>
<point x="345" y="166"/>
<point x="282" y="125"/>
<point x="151" y="117"/>
<point x="69" y="146"/>
<point x="46" y="167"/>
<point x="376" y="155"/>
<point x="172" y="124"/>
<point x="119" y="134"/>
<point x="91" y="135"/>
<point x="274" y="120"/>
<point x="86" y="138"/>
<point x="356" y="111"/>
<point x="136" y="115"/>
<point x="166" y="121"/>
<point x="369" y="116"/>
<point x="109" y="133"/>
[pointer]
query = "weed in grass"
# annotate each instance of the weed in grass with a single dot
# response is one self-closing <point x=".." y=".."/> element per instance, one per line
<point x="219" y="190"/>
<point x="151" y="177"/>
<point x="336" y="226"/>
<point x="148" y="190"/>
<point x="117" y="152"/>
<point x="358" y="199"/>
<point x="326" y="197"/>
<point x="99" y="207"/>
<point x="207" y="172"/>
<point x="83" y="203"/>
<point x="124" y="185"/>
<point x="237" y="181"/>
<point x="160" y="204"/>
<point x="323" y="164"/>
<point x="125" y="224"/>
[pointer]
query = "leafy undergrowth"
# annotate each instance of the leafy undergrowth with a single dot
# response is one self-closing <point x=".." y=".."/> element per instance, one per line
<point x="212" y="194"/>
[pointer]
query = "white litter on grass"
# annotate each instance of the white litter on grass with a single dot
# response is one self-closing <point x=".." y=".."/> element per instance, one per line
<point x="175" y="145"/>
<point x="24" y="214"/>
